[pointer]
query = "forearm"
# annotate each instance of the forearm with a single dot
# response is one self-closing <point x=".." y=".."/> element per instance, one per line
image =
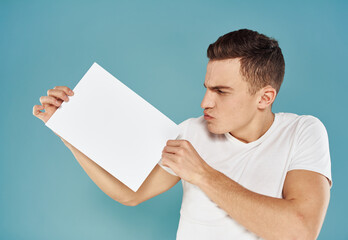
<point x="268" y="217"/>
<point x="104" y="180"/>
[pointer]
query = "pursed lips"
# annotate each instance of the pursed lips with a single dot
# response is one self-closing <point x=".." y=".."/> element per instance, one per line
<point x="205" y="114"/>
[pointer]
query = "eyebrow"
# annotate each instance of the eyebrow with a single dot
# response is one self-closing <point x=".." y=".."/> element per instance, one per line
<point x="219" y="87"/>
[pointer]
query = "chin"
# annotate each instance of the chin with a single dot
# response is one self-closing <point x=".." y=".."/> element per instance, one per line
<point x="213" y="129"/>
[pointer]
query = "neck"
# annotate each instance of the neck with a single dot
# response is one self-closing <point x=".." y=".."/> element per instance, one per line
<point x="256" y="128"/>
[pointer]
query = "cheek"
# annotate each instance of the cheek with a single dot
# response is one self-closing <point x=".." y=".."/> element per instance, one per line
<point x="236" y="110"/>
<point x="234" y="105"/>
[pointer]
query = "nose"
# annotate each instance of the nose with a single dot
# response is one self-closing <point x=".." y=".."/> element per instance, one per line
<point x="208" y="101"/>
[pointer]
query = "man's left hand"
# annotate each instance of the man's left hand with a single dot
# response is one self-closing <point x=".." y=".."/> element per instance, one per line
<point x="183" y="159"/>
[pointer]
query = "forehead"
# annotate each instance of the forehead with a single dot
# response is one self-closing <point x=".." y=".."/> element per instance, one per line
<point x="223" y="72"/>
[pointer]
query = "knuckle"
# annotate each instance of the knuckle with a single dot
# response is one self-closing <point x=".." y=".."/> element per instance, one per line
<point x="36" y="110"/>
<point x="61" y="93"/>
<point x="49" y="91"/>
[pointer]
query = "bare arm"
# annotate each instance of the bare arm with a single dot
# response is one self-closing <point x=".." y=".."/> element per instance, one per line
<point x="110" y="185"/>
<point x="299" y="215"/>
<point x="156" y="183"/>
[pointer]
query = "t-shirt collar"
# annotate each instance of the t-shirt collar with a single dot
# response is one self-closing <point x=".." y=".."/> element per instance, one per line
<point x="257" y="141"/>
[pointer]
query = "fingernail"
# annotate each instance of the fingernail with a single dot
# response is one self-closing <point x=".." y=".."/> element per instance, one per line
<point x="71" y="92"/>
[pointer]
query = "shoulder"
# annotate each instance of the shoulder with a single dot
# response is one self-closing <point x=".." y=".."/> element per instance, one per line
<point x="302" y="123"/>
<point x="311" y="126"/>
<point x="311" y="147"/>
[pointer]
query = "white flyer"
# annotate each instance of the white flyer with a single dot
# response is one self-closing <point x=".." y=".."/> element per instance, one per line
<point x="114" y="126"/>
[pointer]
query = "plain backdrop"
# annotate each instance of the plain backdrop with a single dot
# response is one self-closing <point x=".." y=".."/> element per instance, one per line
<point x="158" y="49"/>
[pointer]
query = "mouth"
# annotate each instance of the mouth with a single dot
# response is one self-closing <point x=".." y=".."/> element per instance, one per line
<point x="207" y="117"/>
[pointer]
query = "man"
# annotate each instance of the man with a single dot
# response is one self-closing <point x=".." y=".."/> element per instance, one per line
<point x="247" y="173"/>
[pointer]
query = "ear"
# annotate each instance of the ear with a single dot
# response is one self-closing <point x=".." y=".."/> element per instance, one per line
<point x="267" y="96"/>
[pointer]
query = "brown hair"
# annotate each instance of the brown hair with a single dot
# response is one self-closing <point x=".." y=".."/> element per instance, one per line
<point x="261" y="59"/>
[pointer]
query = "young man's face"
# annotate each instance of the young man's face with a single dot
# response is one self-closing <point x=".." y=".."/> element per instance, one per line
<point x="234" y="109"/>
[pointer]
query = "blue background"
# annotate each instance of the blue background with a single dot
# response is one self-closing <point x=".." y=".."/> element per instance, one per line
<point x="158" y="49"/>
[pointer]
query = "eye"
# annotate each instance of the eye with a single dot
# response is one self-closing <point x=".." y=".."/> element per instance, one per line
<point x="219" y="91"/>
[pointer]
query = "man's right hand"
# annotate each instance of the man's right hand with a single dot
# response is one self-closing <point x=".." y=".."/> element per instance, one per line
<point x="52" y="102"/>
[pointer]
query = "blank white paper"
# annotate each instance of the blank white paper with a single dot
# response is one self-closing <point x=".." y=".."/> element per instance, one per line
<point x="113" y="126"/>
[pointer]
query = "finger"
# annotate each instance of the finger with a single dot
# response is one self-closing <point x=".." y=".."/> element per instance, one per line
<point x="170" y="149"/>
<point x="37" y="112"/>
<point x="168" y="156"/>
<point x="50" y="100"/>
<point x="164" y="162"/>
<point x="67" y="90"/>
<point x="59" y="94"/>
<point x="168" y="161"/>
<point x="175" y="143"/>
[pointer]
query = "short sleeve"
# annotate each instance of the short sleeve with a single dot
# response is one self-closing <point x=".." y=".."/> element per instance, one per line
<point x="182" y="135"/>
<point x="311" y="150"/>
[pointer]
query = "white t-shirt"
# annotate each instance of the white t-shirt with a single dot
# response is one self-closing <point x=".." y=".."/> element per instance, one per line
<point x="292" y="142"/>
